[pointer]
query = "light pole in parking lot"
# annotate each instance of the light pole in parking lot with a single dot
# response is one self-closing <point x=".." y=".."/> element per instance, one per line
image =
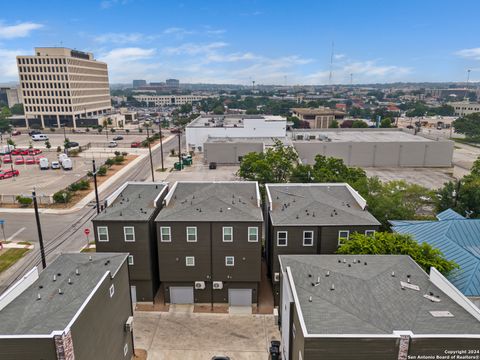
<point x="161" y="142"/>
<point x="39" y="229"/>
<point x="95" y="184"/>
<point x="150" y="153"/>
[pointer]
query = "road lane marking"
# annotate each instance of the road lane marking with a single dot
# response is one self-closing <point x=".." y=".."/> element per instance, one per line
<point x="16" y="233"/>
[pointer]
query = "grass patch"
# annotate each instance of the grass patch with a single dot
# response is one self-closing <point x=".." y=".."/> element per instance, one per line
<point x="88" y="250"/>
<point x="10" y="257"/>
<point x="24" y="243"/>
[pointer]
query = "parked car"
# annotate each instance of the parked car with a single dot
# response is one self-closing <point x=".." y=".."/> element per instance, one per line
<point x="118" y="137"/>
<point x="43" y="163"/>
<point x="34" y="132"/>
<point x="29" y="160"/>
<point x="34" y="151"/>
<point x="6" y="174"/>
<point x="62" y="157"/>
<point x="55" y="165"/>
<point x="112" y="144"/>
<point x="71" y="144"/>
<point x="38" y="158"/>
<point x="39" y="137"/>
<point x="220" y="358"/>
<point x="19" y="160"/>
<point x="16" y="151"/>
<point x="176" y="131"/>
<point x="24" y="152"/>
<point x="67" y="164"/>
<point x="7" y="159"/>
<point x="7" y="149"/>
<point x="16" y="132"/>
<point x="135" y="144"/>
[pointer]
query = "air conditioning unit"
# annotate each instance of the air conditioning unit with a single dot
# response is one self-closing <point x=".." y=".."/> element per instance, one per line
<point x="199" y="285"/>
<point x="217" y="285"/>
<point x="129" y="324"/>
<point x="276" y="277"/>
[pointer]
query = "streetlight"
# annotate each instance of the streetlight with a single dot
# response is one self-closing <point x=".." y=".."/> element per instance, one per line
<point x="95" y="183"/>
<point x="161" y="142"/>
<point x="39" y="229"/>
<point x="150" y="153"/>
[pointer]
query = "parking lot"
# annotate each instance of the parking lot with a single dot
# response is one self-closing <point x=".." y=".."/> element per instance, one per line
<point x="181" y="334"/>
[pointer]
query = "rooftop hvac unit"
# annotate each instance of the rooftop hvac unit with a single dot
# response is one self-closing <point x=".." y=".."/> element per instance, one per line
<point x="129" y="324"/>
<point x="217" y="285"/>
<point x="199" y="285"/>
<point x="276" y="277"/>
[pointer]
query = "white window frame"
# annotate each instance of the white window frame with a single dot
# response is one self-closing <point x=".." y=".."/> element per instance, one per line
<point x="112" y="290"/>
<point x="256" y="233"/>
<point x="343" y="237"/>
<point x="125" y="234"/>
<point x="294" y="331"/>
<point x="227" y="258"/>
<point x="369" y="232"/>
<point x="125" y="349"/>
<point x="187" y="258"/>
<point x="162" y="239"/>
<point x="106" y="233"/>
<point x="286" y="238"/>
<point x="189" y="228"/>
<point x="308" y="232"/>
<point x="223" y="233"/>
<point x="130" y="260"/>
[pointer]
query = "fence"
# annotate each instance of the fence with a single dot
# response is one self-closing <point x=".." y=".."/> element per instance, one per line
<point x="12" y="199"/>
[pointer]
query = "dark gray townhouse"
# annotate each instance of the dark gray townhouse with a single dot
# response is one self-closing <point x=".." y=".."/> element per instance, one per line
<point x="78" y="308"/>
<point x="209" y="243"/>
<point x="311" y="219"/>
<point x="127" y="225"/>
<point x="372" y="307"/>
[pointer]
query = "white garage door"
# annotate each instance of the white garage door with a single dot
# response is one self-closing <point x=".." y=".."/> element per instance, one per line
<point x="181" y="294"/>
<point x="240" y="297"/>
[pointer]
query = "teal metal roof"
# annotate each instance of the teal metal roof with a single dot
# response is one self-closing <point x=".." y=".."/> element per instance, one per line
<point x="458" y="238"/>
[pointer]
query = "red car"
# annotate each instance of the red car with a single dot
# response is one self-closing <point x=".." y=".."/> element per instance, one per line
<point x="24" y="152"/>
<point x="34" y="151"/>
<point x="17" y="151"/>
<point x="6" y="174"/>
<point x="16" y="132"/>
<point x="19" y="160"/>
<point x="135" y="144"/>
<point x="7" y="159"/>
<point x="29" y="160"/>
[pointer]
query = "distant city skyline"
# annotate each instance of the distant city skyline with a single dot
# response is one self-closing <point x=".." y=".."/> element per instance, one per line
<point x="269" y="42"/>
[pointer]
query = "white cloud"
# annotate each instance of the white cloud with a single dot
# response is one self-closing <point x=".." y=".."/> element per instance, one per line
<point x="19" y="30"/>
<point x="8" y="64"/>
<point x="473" y="53"/>
<point x="177" y="31"/>
<point x="194" y="49"/>
<point x="106" y="4"/>
<point x="118" y="38"/>
<point x="338" y="56"/>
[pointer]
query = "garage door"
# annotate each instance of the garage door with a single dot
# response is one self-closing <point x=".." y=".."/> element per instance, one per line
<point x="240" y="297"/>
<point x="181" y="294"/>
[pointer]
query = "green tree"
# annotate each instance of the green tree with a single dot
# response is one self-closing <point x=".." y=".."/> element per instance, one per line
<point x="218" y="110"/>
<point x="271" y="166"/>
<point x="334" y="124"/>
<point x="469" y="125"/>
<point x="17" y="109"/>
<point x="384" y="243"/>
<point x="47" y="144"/>
<point x="11" y="142"/>
<point x="386" y="123"/>
<point x="359" y="124"/>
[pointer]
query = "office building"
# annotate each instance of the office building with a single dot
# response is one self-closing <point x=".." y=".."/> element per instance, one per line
<point x="172" y="83"/>
<point x="168" y="100"/>
<point x="318" y="118"/>
<point x="463" y="108"/>
<point x="61" y="85"/>
<point x="137" y="83"/>
<point x="10" y="96"/>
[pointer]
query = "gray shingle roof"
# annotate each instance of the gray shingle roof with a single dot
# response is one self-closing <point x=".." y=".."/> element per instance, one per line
<point x="27" y="316"/>
<point x="134" y="203"/>
<point x="368" y="300"/>
<point x="212" y="201"/>
<point x="316" y="205"/>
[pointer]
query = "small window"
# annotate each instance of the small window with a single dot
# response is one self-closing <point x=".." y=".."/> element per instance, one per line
<point x="294" y="331"/>
<point x="130" y="259"/>
<point x="102" y="232"/>
<point x="125" y="350"/>
<point x="165" y="234"/>
<point x="369" y="232"/>
<point x="227" y="234"/>
<point x="343" y="236"/>
<point x="229" y="260"/>
<point x="191" y="233"/>
<point x="112" y="290"/>
<point x="308" y="238"/>
<point x="129" y="233"/>
<point x="282" y="238"/>
<point x="190" y="260"/>
<point x="253" y="234"/>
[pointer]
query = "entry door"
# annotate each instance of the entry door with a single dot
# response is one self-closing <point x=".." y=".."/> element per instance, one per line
<point x="287" y="298"/>
<point x="240" y="297"/>
<point x="181" y="294"/>
<point x="133" y="291"/>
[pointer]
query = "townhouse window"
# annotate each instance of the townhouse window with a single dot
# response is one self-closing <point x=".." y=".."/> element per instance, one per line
<point x="343" y="236"/>
<point x="253" y="234"/>
<point x="308" y="238"/>
<point x="191" y="233"/>
<point x="165" y="234"/>
<point x="102" y="232"/>
<point x="294" y="331"/>
<point x="229" y="260"/>
<point x="130" y="260"/>
<point x="112" y="290"/>
<point x="227" y="234"/>
<point x="282" y="238"/>
<point x="125" y="350"/>
<point x="369" y="232"/>
<point x="129" y="233"/>
<point x="190" y="260"/>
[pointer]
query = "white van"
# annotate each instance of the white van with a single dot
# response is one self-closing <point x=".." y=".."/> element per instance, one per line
<point x="43" y="163"/>
<point x="6" y="149"/>
<point x="62" y="157"/>
<point x="39" y="137"/>
<point x="67" y="164"/>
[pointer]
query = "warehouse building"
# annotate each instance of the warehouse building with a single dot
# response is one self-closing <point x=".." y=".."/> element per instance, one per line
<point x="373" y="147"/>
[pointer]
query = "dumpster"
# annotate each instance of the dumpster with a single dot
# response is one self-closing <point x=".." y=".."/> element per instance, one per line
<point x="178" y="166"/>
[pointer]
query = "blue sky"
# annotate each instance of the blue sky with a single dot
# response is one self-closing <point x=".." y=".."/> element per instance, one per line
<point x="237" y="41"/>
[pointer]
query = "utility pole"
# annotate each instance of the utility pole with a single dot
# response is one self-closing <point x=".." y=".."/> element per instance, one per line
<point x="180" y="149"/>
<point x="39" y="229"/>
<point x="161" y="143"/>
<point x="95" y="183"/>
<point x="150" y="153"/>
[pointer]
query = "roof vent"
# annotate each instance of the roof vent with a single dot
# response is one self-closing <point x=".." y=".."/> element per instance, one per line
<point x="441" y="313"/>
<point x="70" y="281"/>
<point x="365" y="263"/>
<point x="54" y="277"/>
<point x="393" y="273"/>
<point x="309" y="275"/>
<point x="221" y="210"/>
<point x="77" y="272"/>
<point x="354" y="261"/>
<point x="431" y="298"/>
<point x="332" y="287"/>
<point x="328" y="273"/>
<point x="310" y="299"/>
<point x="39" y="297"/>
<point x="344" y="261"/>
<point x="60" y="292"/>
<point x="349" y="265"/>
<point x="90" y="258"/>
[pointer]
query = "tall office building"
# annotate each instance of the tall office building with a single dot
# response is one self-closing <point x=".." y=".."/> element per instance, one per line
<point x="172" y="83"/>
<point x="61" y="85"/>
<point x="137" y="83"/>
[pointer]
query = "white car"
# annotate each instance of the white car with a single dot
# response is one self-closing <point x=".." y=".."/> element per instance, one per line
<point x="112" y="144"/>
<point x="55" y="165"/>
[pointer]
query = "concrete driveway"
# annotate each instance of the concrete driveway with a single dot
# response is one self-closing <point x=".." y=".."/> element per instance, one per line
<point x="186" y="335"/>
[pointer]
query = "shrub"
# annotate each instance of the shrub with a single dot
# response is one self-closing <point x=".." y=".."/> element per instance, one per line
<point x="127" y="130"/>
<point x="172" y="152"/>
<point x="73" y="153"/>
<point x="87" y="130"/>
<point x="90" y="174"/>
<point x="102" y="171"/>
<point x="62" y="196"/>
<point x="117" y="153"/>
<point x="112" y="130"/>
<point x="59" y="149"/>
<point x="100" y="129"/>
<point x="47" y="144"/>
<point x="24" y="201"/>
<point x="124" y="153"/>
<point x="109" y="162"/>
<point x="79" y="185"/>
<point x="140" y="130"/>
<point x="119" y="159"/>
<point x="52" y="129"/>
<point x="145" y="143"/>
